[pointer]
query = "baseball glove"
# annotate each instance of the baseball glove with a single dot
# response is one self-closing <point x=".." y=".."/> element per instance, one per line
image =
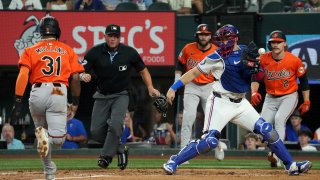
<point x="161" y="104"/>
<point x="250" y="57"/>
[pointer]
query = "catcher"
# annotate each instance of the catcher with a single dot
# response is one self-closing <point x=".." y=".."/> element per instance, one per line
<point x="227" y="103"/>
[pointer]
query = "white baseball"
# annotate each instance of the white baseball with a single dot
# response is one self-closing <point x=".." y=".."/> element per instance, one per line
<point x="261" y="51"/>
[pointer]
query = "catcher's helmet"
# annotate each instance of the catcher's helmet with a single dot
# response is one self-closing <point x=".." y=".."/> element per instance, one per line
<point x="277" y="36"/>
<point x="49" y="26"/>
<point x="227" y="33"/>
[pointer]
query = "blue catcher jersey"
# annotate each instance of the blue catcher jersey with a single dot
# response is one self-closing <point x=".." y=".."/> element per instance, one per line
<point x="236" y="77"/>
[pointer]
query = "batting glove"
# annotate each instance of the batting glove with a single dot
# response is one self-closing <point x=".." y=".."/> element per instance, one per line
<point x="304" y="107"/>
<point x="255" y="98"/>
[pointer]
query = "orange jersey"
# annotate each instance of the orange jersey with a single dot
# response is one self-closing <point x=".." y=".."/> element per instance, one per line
<point x="191" y="55"/>
<point x="50" y="61"/>
<point x="281" y="76"/>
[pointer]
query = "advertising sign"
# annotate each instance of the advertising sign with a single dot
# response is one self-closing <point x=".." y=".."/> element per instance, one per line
<point x="152" y="34"/>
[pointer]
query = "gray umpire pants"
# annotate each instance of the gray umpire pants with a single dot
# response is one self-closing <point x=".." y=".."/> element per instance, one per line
<point x="107" y="121"/>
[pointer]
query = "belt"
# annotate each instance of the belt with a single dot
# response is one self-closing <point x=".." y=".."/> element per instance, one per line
<point x="106" y="92"/>
<point x="37" y="85"/>
<point x="277" y="96"/>
<point x="230" y="99"/>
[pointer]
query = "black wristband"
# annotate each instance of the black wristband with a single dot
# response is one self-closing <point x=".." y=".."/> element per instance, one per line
<point x="75" y="100"/>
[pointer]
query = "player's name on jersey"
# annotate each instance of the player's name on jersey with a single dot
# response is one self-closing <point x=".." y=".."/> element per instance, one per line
<point x="56" y="49"/>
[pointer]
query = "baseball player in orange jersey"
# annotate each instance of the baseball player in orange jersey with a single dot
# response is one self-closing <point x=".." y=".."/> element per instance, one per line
<point x="48" y="65"/>
<point x="281" y="70"/>
<point x="200" y="88"/>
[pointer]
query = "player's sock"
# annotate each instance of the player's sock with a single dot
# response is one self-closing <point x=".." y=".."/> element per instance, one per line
<point x="187" y="153"/>
<point x="281" y="151"/>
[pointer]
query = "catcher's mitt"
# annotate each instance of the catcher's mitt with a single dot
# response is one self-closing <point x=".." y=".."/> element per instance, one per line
<point x="161" y="104"/>
<point x="250" y="57"/>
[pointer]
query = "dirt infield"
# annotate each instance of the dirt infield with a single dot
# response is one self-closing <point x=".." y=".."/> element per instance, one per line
<point x="158" y="174"/>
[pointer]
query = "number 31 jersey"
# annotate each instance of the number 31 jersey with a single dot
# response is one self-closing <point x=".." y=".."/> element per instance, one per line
<point x="50" y="61"/>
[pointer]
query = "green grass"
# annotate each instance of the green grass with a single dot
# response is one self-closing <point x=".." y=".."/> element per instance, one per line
<point x="87" y="163"/>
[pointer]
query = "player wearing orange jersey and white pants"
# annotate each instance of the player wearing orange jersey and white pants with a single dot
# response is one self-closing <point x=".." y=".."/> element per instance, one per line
<point x="48" y="66"/>
<point x="281" y="70"/>
<point x="200" y="88"/>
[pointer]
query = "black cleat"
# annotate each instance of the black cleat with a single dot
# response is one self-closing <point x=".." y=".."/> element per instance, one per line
<point x="123" y="158"/>
<point x="104" y="161"/>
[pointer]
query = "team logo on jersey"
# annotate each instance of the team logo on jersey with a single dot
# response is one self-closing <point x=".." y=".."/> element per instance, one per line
<point x="191" y="63"/>
<point x="123" y="68"/>
<point x="301" y="70"/>
<point x="274" y="75"/>
<point x="29" y="36"/>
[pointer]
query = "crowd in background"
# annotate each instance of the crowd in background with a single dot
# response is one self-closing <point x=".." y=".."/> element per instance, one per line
<point x="180" y="6"/>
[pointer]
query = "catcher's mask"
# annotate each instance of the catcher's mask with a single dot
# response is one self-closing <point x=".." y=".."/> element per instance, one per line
<point x="225" y="38"/>
<point x="276" y="36"/>
<point x="161" y="104"/>
<point x="49" y="26"/>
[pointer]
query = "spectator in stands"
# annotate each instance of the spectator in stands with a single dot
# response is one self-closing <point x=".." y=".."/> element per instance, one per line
<point x="31" y="5"/>
<point x="76" y="133"/>
<point x="180" y="6"/>
<point x="251" y="142"/>
<point x="90" y="5"/>
<point x="198" y="4"/>
<point x="294" y="127"/>
<point x="21" y="4"/>
<point x="59" y="5"/>
<point x="304" y="138"/>
<point x="13" y="5"/>
<point x="312" y="6"/>
<point x="316" y="135"/>
<point x="8" y="134"/>
<point x="128" y="133"/>
<point x="112" y="4"/>
<point x="298" y="7"/>
<point x="162" y="132"/>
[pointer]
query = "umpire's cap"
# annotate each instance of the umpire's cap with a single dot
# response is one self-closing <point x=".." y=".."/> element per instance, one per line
<point x="278" y="36"/>
<point x="112" y="29"/>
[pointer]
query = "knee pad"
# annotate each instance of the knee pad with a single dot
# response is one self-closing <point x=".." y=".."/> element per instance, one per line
<point x="57" y="140"/>
<point x="265" y="129"/>
<point x="210" y="141"/>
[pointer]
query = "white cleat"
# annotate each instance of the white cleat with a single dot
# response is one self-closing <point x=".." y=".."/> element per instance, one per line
<point x="219" y="152"/>
<point x="43" y="141"/>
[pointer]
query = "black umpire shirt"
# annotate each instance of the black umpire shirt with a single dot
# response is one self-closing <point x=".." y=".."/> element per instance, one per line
<point x="112" y="68"/>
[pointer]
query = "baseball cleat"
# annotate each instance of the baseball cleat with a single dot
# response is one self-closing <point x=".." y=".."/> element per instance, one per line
<point x="123" y="158"/>
<point x="299" y="167"/>
<point x="219" y="152"/>
<point x="304" y="166"/>
<point x="52" y="170"/>
<point x="104" y="161"/>
<point x="171" y="166"/>
<point x="43" y="141"/>
<point x="292" y="169"/>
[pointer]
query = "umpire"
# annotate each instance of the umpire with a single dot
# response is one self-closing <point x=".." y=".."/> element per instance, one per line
<point x="111" y="62"/>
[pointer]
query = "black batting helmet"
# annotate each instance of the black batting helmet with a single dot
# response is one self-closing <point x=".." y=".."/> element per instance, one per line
<point x="203" y="29"/>
<point x="277" y="36"/>
<point x="49" y="26"/>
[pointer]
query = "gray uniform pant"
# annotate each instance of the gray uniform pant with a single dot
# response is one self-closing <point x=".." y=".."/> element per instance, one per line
<point x="107" y="121"/>
<point x="277" y="111"/>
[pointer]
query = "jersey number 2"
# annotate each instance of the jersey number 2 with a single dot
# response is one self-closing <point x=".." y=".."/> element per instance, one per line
<point x="51" y="63"/>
